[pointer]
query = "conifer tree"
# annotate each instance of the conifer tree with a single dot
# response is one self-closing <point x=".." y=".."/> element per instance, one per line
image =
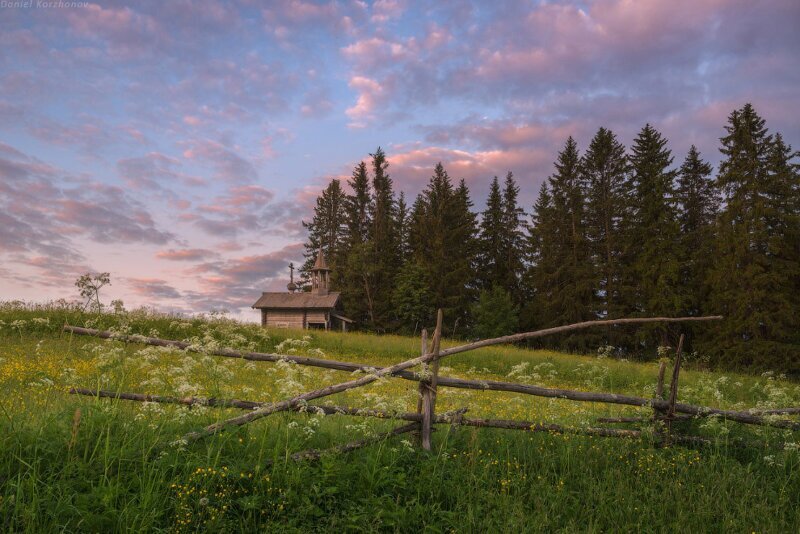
<point x="501" y="242"/>
<point x="441" y="240"/>
<point x="572" y="295"/>
<point x="326" y="230"/>
<point x="353" y="284"/>
<point x="651" y="255"/>
<point x="412" y="298"/>
<point x="542" y="276"/>
<point x="491" y="254"/>
<point x="698" y="202"/>
<point x="513" y="222"/>
<point x="465" y="244"/>
<point x="755" y="266"/>
<point x="605" y="170"/>
<point x="495" y="314"/>
<point x="402" y="228"/>
<point x="383" y="254"/>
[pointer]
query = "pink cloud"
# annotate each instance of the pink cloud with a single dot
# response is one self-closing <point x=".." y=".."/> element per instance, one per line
<point x="240" y="281"/>
<point x="227" y="164"/>
<point x="186" y="254"/>
<point x="385" y="10"/>
<point x="239" y="198"/>
<point x="156" y="171"/>
<point x="130" y="33"/>
<point x="370" y="95"/>
<point x="412" y="166"/>
<point x="153" y="288"/>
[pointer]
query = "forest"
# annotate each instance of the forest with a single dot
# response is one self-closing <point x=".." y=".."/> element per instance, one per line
<point x="614" y="232"/>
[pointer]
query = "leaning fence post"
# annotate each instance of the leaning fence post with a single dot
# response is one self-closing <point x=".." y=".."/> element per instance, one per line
<point x="673" y="387"/>
<point x="428" y="387"/>
<point x="658" y="412"/>
<point x="421" y="383"/>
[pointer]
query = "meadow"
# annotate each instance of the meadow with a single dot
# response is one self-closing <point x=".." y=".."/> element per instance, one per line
<point x="82" y="464"/>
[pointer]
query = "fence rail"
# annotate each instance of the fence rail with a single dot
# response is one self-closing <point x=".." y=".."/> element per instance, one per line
<point x="429" y="382"/>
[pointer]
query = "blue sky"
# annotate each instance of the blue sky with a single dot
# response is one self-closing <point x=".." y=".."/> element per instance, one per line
<point x="179" y="145"/>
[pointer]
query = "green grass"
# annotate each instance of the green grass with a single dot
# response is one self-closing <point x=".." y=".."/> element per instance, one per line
<point x="80" y="464"/>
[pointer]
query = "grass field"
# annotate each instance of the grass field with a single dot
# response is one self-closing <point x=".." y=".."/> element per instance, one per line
<point x="80" y="464"/>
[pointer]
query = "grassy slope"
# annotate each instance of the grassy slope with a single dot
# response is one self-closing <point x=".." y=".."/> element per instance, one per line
<point x="79" y="464"/>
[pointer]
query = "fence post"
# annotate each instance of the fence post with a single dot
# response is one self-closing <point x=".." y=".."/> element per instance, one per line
<point x="421" y="383"/>
<point x="673" y="387"/>
<point x="658" y="413"/>
<point x="428" y="388"/>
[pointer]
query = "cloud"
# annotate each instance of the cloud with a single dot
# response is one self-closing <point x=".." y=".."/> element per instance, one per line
<point x="45" y="212"/>
<point x="107" y="215"/>
<point x="155" y="171"/>
<point x="227" y="164"/>
<point x="249" y="208"/>
<point x="186" y="254"/>
<point x="238" y="282"/>
<point x="153" y="288"/>
<point x="385" y="10"/>
<point x="186" y="133"/>
<point x="370" y="96"/>
<point x="412" y="166"/>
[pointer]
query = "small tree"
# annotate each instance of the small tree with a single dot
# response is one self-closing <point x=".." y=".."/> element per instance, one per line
<point x="413" y="300"/>
<point x="89" y="286"/>
<point x="495" y="314"/>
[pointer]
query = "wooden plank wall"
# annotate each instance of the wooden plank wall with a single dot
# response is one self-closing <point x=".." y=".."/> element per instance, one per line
<point x="284" y="318"/>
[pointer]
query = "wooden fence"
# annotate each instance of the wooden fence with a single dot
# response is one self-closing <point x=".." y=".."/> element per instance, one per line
<point x="664" y="410"/>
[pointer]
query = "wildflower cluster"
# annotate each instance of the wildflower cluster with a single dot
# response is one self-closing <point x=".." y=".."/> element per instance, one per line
<point x="213" y="498"/>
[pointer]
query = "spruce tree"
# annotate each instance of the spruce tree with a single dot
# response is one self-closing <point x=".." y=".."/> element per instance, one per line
<point x="652" y="265"/>
<point x="495" y="314"/>
<point x="573" y="292"/>
<point x="756" y="265"/>
<point x="465" y="244"/>
<point x="513" y="223"/>
<point x="383" y="253"/>
<point x="355" y="254"/>
<point x="605" y="170"/>
<point x="402" y="222"/>
<point x="413" y="299"/>
<point x="491" y="253"/>
<point x="441" y="239"/>
<point x="542" y="275"/>
<point x="698" y="202"/>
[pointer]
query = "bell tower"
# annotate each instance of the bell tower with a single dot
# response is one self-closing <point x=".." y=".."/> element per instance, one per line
<point x="320" y="275"/>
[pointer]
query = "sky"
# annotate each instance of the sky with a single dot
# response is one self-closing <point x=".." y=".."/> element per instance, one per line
<point x="179" y="145"/>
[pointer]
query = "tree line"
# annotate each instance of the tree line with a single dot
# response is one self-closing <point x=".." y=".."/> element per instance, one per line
<point x="613" y="233"/>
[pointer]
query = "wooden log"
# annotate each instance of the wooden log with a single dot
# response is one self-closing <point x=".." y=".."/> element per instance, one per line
<point x="429" y="386"/>
<point x="314" y="454"/>
<point x="437" y="346"/>
<point x="775" y="411"/>
<point x="660" y="384"/>
<point x="673" y="388"/>
<point x="529" y="426"/>
<point x="638" y="419"/>
<point x="659" y="391"/>
<point x="347" y="366"/>
<point x="514" y="338"/>
<point x="303" y="398"/>
<point x="454" y="417"/>
<point x="243" y="404"/>
<point x="752" y="417"/>
<point x="673" y="385"/>
<point x="421" y="385"/>
<point x="225" y="352"/>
